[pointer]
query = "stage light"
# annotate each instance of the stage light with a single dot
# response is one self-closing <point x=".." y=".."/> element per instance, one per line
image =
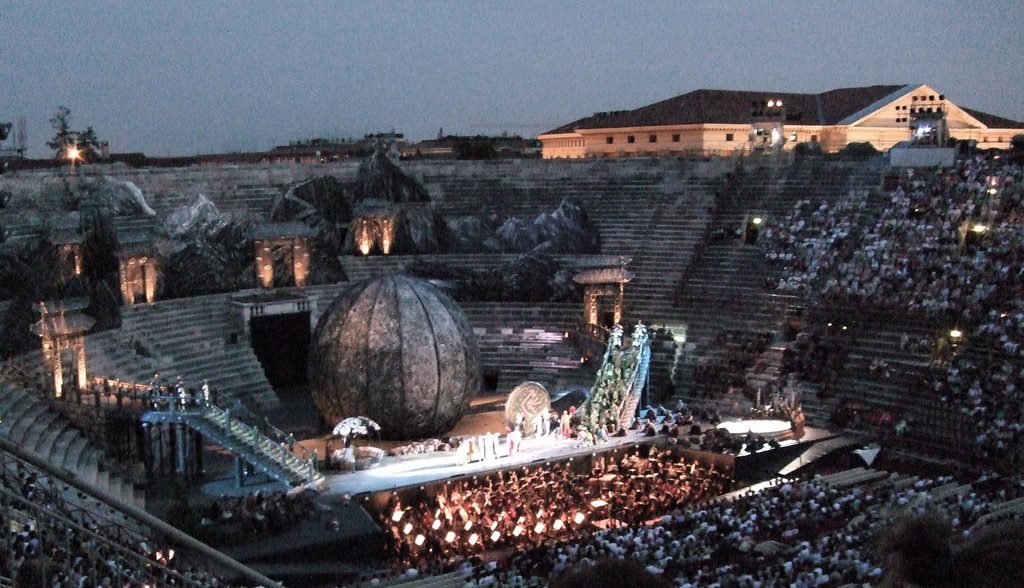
<point x="578" y="518"/>
<point x="419" y="540"/>
<point x="450" y="537"/>
<point x="407" y="529"/>
<point x="436" y="525"/>
<point x="539" y="528"/>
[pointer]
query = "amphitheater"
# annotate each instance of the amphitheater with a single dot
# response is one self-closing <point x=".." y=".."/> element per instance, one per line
<point x="673" y="222"/>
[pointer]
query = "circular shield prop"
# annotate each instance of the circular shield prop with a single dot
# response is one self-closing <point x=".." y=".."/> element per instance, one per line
<point x="528" y="399"/>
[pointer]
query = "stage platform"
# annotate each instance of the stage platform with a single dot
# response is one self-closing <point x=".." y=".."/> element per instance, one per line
<point x="396" y="472"/>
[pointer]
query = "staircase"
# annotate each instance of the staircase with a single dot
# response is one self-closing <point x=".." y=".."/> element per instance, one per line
<point x="630" y="381"/>
<point x="258" y="450"/>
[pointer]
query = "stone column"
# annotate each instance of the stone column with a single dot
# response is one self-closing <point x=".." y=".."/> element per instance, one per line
<point x="300" y="262"/>
<point x="122" y="272"/>
<point x="51" y="359"/>
<point x="147" y="267"/>
<point x="590" y="305"/>
<point x="81" y="373"/>
<point x="264" y="264"/>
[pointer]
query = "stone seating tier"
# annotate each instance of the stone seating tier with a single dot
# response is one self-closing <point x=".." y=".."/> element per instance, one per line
<point x="28" y="420"/>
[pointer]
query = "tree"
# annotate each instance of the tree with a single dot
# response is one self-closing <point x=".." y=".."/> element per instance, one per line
<point x="1017" y="143"/>
<point x="65" y="138"/>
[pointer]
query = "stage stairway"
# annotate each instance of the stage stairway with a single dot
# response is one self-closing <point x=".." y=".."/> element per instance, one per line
<point x="247" y="442"/>
<point x="620" y="380"/>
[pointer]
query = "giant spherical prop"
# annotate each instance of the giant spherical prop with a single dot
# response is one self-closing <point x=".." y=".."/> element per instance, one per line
<point x="397" y="350"/>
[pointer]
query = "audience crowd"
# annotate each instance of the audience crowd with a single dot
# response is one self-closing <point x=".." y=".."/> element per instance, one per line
<point x="802" y="533"/>
<point x="947" y="244"/>
<point x="46" y="539"/>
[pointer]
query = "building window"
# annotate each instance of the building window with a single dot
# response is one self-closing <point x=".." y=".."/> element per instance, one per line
<point x="630" y="139"/>
<point x="675" y="138"/>
<point x="728" y="136"/>
<point x="609" y="140"/>
<point x="652" y="138"/>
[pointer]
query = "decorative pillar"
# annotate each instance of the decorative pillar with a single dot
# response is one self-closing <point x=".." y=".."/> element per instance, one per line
<point x="149" y="277"/>
<point x="77" y="252"/>
<point x="122" y="273"/>
<point x="264" y="264"/>
<point x="590" y="305"/>
<point x="51" y="359"/>
<point x="300" y="261"/>
<point x="618" y="303"/>
<point x="387" y="234"/>
<point x="82" y="378"/>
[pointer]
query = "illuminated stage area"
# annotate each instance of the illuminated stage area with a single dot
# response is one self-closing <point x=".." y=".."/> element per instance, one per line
<point x="762" y="427"/>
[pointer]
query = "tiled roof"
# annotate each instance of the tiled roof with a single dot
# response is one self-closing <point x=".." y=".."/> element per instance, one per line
<point x="737" y="107"/>
<point x="280" y="231"/>
<point x="992" y="121"/>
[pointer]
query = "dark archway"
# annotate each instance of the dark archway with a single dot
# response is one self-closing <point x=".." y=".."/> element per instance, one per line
<point x="281" y="343"/>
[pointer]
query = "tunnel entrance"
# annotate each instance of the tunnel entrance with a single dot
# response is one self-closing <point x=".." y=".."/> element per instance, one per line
<point x="281" y="343"/>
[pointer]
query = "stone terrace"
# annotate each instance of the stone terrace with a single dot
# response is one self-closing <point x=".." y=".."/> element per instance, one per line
<point x="29" y="420"/>
<point x="725" y="287"/>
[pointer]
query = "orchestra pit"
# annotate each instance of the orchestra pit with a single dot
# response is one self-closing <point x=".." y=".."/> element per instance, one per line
<point x="730" y="371"/>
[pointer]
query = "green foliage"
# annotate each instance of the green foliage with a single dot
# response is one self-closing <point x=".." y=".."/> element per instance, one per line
<point x="808" y="149"/>
<point x="64" y="137"/>
<point x="1017" y="143"/>
<point x="864" y="149"/>
<point x="475" y="148"/>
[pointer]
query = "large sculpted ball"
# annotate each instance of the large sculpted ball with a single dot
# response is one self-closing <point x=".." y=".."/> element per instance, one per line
<point x="398" y="350"/>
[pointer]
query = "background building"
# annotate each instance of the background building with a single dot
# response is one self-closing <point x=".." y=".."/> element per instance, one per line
<point x="724" y="122"/>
